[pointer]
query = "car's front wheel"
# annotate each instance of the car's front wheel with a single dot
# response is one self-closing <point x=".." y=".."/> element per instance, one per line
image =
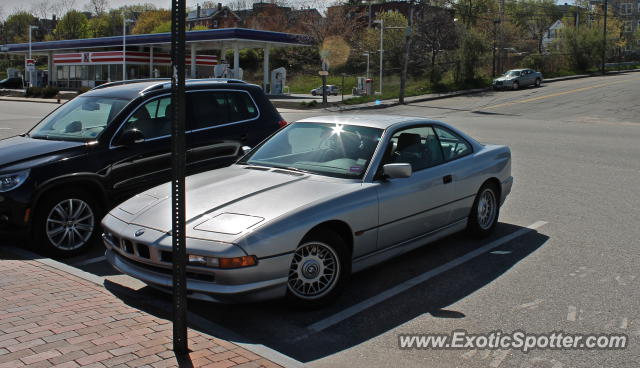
<point x="516" y="85"/>
<point x="313" y="93"/>
<point x="485" y="211"/>
<point x="538" y="82"/>
<point x="66" y="222"/>
<point x="319" y="269"/>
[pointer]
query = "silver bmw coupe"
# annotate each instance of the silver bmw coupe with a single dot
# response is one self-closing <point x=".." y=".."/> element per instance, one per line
<point x="320" y="199"/>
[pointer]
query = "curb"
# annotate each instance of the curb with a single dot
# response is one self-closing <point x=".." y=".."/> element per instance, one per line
<point x="198" y="323"/>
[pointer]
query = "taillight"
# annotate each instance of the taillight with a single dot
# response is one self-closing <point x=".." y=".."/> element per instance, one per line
<point x="282" y="123"/>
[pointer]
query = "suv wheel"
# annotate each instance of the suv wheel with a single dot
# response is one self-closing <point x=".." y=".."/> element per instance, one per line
<point x="66" y="223"/>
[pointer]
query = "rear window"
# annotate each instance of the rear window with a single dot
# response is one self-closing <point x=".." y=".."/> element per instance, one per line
<point x="212" y="108"/>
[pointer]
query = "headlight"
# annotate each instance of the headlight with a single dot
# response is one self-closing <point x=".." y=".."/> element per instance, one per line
<point x="12" y="181"/>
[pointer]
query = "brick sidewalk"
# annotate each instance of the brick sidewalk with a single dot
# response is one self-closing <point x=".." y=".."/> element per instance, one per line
<point x="49" y="318"/>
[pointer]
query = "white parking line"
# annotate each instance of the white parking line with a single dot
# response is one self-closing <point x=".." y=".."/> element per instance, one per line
<point x="365" y="304"/>
<point x="89" y="261"/>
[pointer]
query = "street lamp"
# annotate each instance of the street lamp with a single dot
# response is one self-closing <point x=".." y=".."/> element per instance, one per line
<point x="124" y="47"/>
<point x="381" y="22"/>
<point x="368" y="57"/>
<point x="31" y="28"/>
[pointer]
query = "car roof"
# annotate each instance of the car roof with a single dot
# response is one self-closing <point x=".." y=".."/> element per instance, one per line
<point x="135" y="88"/>
<point x="368" y="120"/>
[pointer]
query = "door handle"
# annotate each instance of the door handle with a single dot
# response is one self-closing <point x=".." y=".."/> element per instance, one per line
<point x="447" y="179"/>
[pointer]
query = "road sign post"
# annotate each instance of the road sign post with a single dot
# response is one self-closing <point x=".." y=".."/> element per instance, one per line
<point x="178" y="155"/>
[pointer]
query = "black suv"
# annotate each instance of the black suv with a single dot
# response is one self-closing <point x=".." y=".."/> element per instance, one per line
<point x="112" y="142"/>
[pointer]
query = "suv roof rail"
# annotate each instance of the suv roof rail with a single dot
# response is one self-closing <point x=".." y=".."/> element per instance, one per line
<point x="128" y="81"/>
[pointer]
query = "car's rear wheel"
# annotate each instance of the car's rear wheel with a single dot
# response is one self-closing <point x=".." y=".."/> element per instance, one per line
<point x="538" y="82"/>
<point x="65" y="223"/>
<point x="319" y="269"/>
<point x="485" y="211"/>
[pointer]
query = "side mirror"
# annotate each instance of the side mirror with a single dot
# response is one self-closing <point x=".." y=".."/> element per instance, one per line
<point x="130" y="137"/>
<point x="397" y="171"/>
<point x="246" y="149"/>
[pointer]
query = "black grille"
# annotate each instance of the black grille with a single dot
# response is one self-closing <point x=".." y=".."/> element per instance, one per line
<point x="166" y="257"/>
<point x="143" y="251"/>
<point x="127" y="246"/>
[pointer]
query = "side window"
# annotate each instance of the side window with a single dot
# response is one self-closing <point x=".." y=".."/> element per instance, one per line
<point x="417" y="146"/>
<point x="207" y="109"/>
<point x="241" y="107"/>
<point x="453" y="146"/>
<point x="152" y="119"/>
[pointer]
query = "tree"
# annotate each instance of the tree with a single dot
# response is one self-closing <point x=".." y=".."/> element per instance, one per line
<point x="99" y="26"/>
<point x="534" y="17"/>
<point x="393" y="37"/>
<point x="434" y="32"/>
<point x="98" y="7"/>
<point x="151" y="19"/>
<point x="16" y="27"/>
<point x="60" y="7"/>
<point x="73" y="25"/>
<point x="471" y="12"/>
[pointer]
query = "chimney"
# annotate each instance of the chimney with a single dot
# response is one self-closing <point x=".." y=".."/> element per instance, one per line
<point x="219" y="6"/>
<point x="198" y="9"/>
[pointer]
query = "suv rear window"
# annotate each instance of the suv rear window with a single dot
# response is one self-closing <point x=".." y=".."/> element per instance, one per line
<point x="212" y="108"/>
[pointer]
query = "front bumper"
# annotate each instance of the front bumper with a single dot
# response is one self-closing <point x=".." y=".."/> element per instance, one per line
<point x="503" y="85"/>
<point x="148" y="259"/>
<point x="200" y="289"/>
<point x="13" y="212"/>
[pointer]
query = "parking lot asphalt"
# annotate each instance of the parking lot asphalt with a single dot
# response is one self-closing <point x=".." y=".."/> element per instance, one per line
<point x="564" y="257"/>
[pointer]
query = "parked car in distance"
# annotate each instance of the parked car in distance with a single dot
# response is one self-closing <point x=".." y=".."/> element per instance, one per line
<point x="516" y="78"/>
<point x="331" y="90"/>
<point x="57" y="180"/>
<point x="11" y="83"/>
<point x="320" y="199"/>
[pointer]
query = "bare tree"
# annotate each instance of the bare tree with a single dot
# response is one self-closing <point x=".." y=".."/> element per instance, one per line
<point x="434" y="32"/>
<point x="98" y="7"/>
<point x="62" y="7"/>
<point x="41" y="9"/>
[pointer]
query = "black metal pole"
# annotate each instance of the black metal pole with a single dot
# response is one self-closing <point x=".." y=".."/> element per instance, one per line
<point x="180" y="342"/>
<point x="604" y="37"/>
<point x="324" y="89"/>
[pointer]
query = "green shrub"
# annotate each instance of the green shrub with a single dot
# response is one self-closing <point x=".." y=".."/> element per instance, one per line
<point x="33" y="92"/>
<point x="49" y="92"/>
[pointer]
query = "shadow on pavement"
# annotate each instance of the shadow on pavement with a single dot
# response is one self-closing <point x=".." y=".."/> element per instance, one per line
<point x="284" y="328"/>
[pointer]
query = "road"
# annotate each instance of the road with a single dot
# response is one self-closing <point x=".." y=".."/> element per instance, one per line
<point x="571" y="266"/>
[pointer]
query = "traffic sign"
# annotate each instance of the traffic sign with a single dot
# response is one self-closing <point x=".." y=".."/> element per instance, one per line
<point x="323" y="72"/>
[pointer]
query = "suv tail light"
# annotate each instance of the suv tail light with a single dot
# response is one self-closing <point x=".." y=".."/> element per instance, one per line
<point x="282" y="123"/>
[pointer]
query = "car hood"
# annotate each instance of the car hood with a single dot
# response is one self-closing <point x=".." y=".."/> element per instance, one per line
<point x="228" y="203"/>
<point x="16" y="150"/>
<point x="504" y="79"/>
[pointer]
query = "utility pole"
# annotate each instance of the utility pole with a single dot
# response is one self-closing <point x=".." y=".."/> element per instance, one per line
<point x="495" y="45"/>
<point x="178" y="165"/>
<point x="604" y="37"/>
<point x="407" y="49"/>
<point x="501" y="38"/>
<point x="381" y="22"/>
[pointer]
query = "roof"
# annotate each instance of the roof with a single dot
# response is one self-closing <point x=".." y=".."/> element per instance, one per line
<point x="134" y="88"/>
<point x="368" y="120"/>
<point x="243" y="35"/>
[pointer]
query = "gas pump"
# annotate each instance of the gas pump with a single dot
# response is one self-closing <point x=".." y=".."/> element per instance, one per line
<point x="278" y="80"/>
<point x="364" y="87"/>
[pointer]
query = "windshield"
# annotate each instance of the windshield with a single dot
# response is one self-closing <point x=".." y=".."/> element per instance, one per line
<point x="328" y="149"/>
<point x="81" y="119"/>
<point x="512" y="73"/>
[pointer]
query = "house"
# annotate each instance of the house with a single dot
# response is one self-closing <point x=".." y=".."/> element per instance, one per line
<point x="552" y="34"/>
<point x="263" y="16"/>
<point x="212" y="18"/>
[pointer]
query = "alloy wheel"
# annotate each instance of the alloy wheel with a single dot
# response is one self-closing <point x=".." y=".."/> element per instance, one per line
<point x="487" y="208"/>
<point x="314" y="271"/>
<point x="70" y="224"/>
